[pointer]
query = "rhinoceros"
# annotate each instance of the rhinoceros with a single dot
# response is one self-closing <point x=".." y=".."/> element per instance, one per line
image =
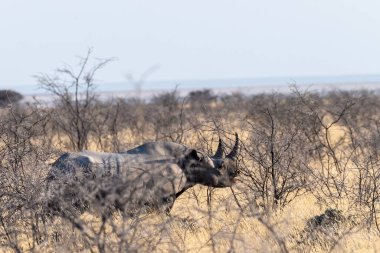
<point x="151" y="175"/>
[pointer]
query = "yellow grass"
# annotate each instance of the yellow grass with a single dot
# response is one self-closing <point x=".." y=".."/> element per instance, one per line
<point x="251" y="234"/>
<point x="196" y="227"/>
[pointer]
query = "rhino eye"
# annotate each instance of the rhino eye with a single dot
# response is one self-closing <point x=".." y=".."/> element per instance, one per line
<point x="232" y="174"/>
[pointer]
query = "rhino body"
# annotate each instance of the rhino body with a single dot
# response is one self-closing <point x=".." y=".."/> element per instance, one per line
<point x="151" y="175"/>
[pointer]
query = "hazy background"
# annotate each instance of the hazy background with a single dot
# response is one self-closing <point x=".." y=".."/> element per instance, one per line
<point x="192" y="40"/>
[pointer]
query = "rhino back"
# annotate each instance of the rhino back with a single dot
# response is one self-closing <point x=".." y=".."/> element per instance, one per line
<point x="128" y="166"/>
<point x="159" y="149"/>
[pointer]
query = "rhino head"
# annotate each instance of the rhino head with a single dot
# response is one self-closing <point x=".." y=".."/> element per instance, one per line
<point x="219" y="170"/>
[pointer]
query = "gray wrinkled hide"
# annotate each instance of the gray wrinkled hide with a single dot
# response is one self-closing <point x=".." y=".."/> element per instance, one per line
<point x="153" y="174"/>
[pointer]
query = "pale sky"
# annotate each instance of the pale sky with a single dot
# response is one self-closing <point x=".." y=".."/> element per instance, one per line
<point x="197" y="39"/>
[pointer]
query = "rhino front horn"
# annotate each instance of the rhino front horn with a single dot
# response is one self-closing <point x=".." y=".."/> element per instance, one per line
<point x="235" y="150"/>
<point x="219" y="154"/>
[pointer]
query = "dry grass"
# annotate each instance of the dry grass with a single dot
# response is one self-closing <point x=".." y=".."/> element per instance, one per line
<point x="216" y="222"/>
<point x="222" y="226"/>
<point x="196" y="227"/>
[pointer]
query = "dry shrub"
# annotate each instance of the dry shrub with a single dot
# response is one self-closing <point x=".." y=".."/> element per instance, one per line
<point x="302" y="153"/>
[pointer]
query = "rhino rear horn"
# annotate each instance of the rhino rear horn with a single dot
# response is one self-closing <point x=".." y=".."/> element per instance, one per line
<point x="219" y="154"/>
<point x="235" y="150"/>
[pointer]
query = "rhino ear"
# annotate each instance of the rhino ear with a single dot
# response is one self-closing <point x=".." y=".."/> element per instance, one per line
<point x="192" y="154"/>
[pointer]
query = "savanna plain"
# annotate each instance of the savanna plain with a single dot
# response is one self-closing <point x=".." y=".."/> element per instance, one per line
<point x="309" y="170"/>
